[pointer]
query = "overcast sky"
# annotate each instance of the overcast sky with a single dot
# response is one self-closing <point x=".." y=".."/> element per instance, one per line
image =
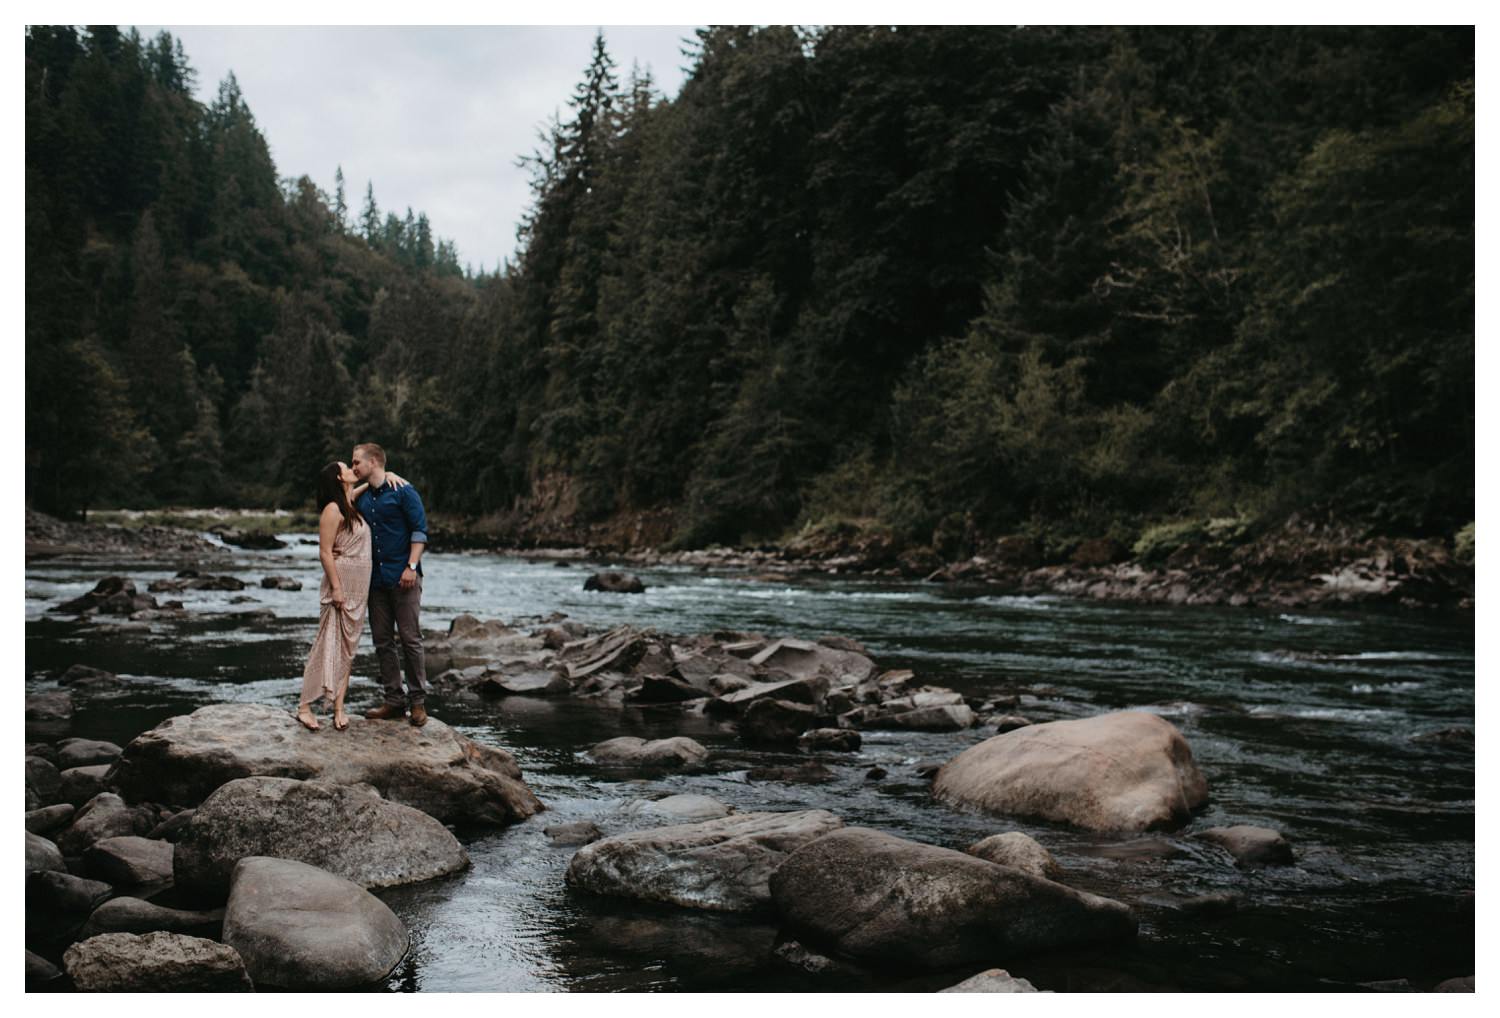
<point x="434" y="117"/>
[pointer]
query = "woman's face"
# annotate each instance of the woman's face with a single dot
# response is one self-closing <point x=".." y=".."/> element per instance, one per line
<point x="345" y="474"/>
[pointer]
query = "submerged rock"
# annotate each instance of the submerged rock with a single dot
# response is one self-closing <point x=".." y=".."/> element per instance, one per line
<point x="1127" y="771"/>
<point x="719" y="865"/>
<point x="615" y="583"/>
<point x="84" y="677"/>
<point x="677" y="752"/>
<point x="836" y="740"/>
<point x="679" y="809"/>
<point x="347" y="830"/>
<point x="1018" y="851"/>
<point x="299" y="927"/>
<point x="49" y="707"/>
<point x="432" y="768"/>
<point x="1250" y="846"/>
<point x="579" y="832"/>
<point x="154" y="963"/>
<point x="871" y="895"/>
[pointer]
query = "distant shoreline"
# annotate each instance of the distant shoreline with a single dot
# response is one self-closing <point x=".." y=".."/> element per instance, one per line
<point x="1285" y="569"/>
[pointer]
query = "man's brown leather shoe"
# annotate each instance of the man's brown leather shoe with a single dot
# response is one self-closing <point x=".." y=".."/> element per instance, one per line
<point x="385" y="712"/>
<point x="418" y="715"/>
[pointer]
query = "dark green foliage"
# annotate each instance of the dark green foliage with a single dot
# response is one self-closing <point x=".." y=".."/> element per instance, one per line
<point x="952" y="282"/>
<point x="193" y="323"/>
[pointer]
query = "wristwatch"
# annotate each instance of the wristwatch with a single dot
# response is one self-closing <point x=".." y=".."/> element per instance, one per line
<point x="412" y="566"/>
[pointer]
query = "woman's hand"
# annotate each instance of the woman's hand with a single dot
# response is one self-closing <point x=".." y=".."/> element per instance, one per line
<point x="397" y="479"/>
<point x="337" y="598"/>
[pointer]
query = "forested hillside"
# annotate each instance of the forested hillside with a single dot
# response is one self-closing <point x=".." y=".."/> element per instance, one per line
<point x="943" y="281"/>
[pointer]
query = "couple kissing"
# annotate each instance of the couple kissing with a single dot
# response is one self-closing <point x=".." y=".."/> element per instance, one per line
<point x="372" y="530"/>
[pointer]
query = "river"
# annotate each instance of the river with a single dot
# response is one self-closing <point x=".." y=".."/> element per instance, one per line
<point x="1301" y="721"/>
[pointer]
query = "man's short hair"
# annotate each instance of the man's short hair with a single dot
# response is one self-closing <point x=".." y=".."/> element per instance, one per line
<point x="371" y="451"/>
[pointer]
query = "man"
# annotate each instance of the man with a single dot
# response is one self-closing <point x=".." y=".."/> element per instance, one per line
<point x="398" y="536"/>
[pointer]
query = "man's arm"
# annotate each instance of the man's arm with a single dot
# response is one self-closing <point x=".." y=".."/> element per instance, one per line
<point x="416" y="519"/>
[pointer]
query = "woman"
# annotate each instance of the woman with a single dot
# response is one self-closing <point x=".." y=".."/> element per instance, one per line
<point x="344" y="550"/>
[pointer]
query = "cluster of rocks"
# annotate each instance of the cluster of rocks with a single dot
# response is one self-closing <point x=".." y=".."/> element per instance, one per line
<point x="850" y="895"/>
<point x="817" y="694"/>
<point x="118" y="595"/>
<point x="49" y="537"/>
<point x="114" y="595"/>
<point x="225" y="849"/>
<point x="1303" y="563"/>
<point x="858" y="895"/>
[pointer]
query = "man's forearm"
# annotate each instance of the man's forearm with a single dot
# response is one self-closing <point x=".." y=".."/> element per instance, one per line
<point x="415" y="554"/>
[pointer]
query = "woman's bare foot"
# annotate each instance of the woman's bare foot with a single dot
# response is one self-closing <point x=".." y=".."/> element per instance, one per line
<point x="340" y="719"/>
<point x="305" y="715"/>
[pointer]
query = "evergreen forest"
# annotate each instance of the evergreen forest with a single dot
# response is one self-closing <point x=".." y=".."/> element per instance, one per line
<point x="942" y="281"/>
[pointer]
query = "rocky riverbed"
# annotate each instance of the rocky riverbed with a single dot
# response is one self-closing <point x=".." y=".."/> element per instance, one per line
<point x="641" y="792"/>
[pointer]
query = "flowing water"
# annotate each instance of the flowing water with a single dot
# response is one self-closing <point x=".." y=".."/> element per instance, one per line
<point x="1301" y="721"/>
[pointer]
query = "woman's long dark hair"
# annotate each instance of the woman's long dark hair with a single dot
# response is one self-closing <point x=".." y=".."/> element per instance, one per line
<point x="331" y="489"/>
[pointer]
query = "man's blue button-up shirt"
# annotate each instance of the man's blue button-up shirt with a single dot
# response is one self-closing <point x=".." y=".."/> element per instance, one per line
<point x="396" y="519"/>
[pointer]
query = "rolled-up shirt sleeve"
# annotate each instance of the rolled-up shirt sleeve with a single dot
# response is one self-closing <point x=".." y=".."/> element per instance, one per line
<point x="416" y="515"/>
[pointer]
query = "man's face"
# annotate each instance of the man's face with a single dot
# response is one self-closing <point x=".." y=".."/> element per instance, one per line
<point x="360" y="465"/>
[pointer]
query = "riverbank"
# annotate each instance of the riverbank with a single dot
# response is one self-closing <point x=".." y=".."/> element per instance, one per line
<point x="1298" y="565"/>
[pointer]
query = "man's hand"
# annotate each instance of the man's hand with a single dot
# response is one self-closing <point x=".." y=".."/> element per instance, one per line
<point x="408" y="578"/>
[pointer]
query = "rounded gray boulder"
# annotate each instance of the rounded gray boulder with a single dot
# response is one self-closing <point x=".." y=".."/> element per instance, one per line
<point x="1126" y="771"/>
<point x="876" y="897"/>
<point x="721" y="865"/>
<point x="347" y="830"/>
<point x="300" y="927"/>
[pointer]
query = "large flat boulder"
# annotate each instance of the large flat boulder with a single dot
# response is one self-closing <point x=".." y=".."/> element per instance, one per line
<point x="721" y="865"/>
<point x="300" y="927"/>
<point x="348" y="830"/>
<point x="1127" y="771"/>
<point x="154" y="963"/>
<point x="875" y="897"/>
<point x="432" y="768"/>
